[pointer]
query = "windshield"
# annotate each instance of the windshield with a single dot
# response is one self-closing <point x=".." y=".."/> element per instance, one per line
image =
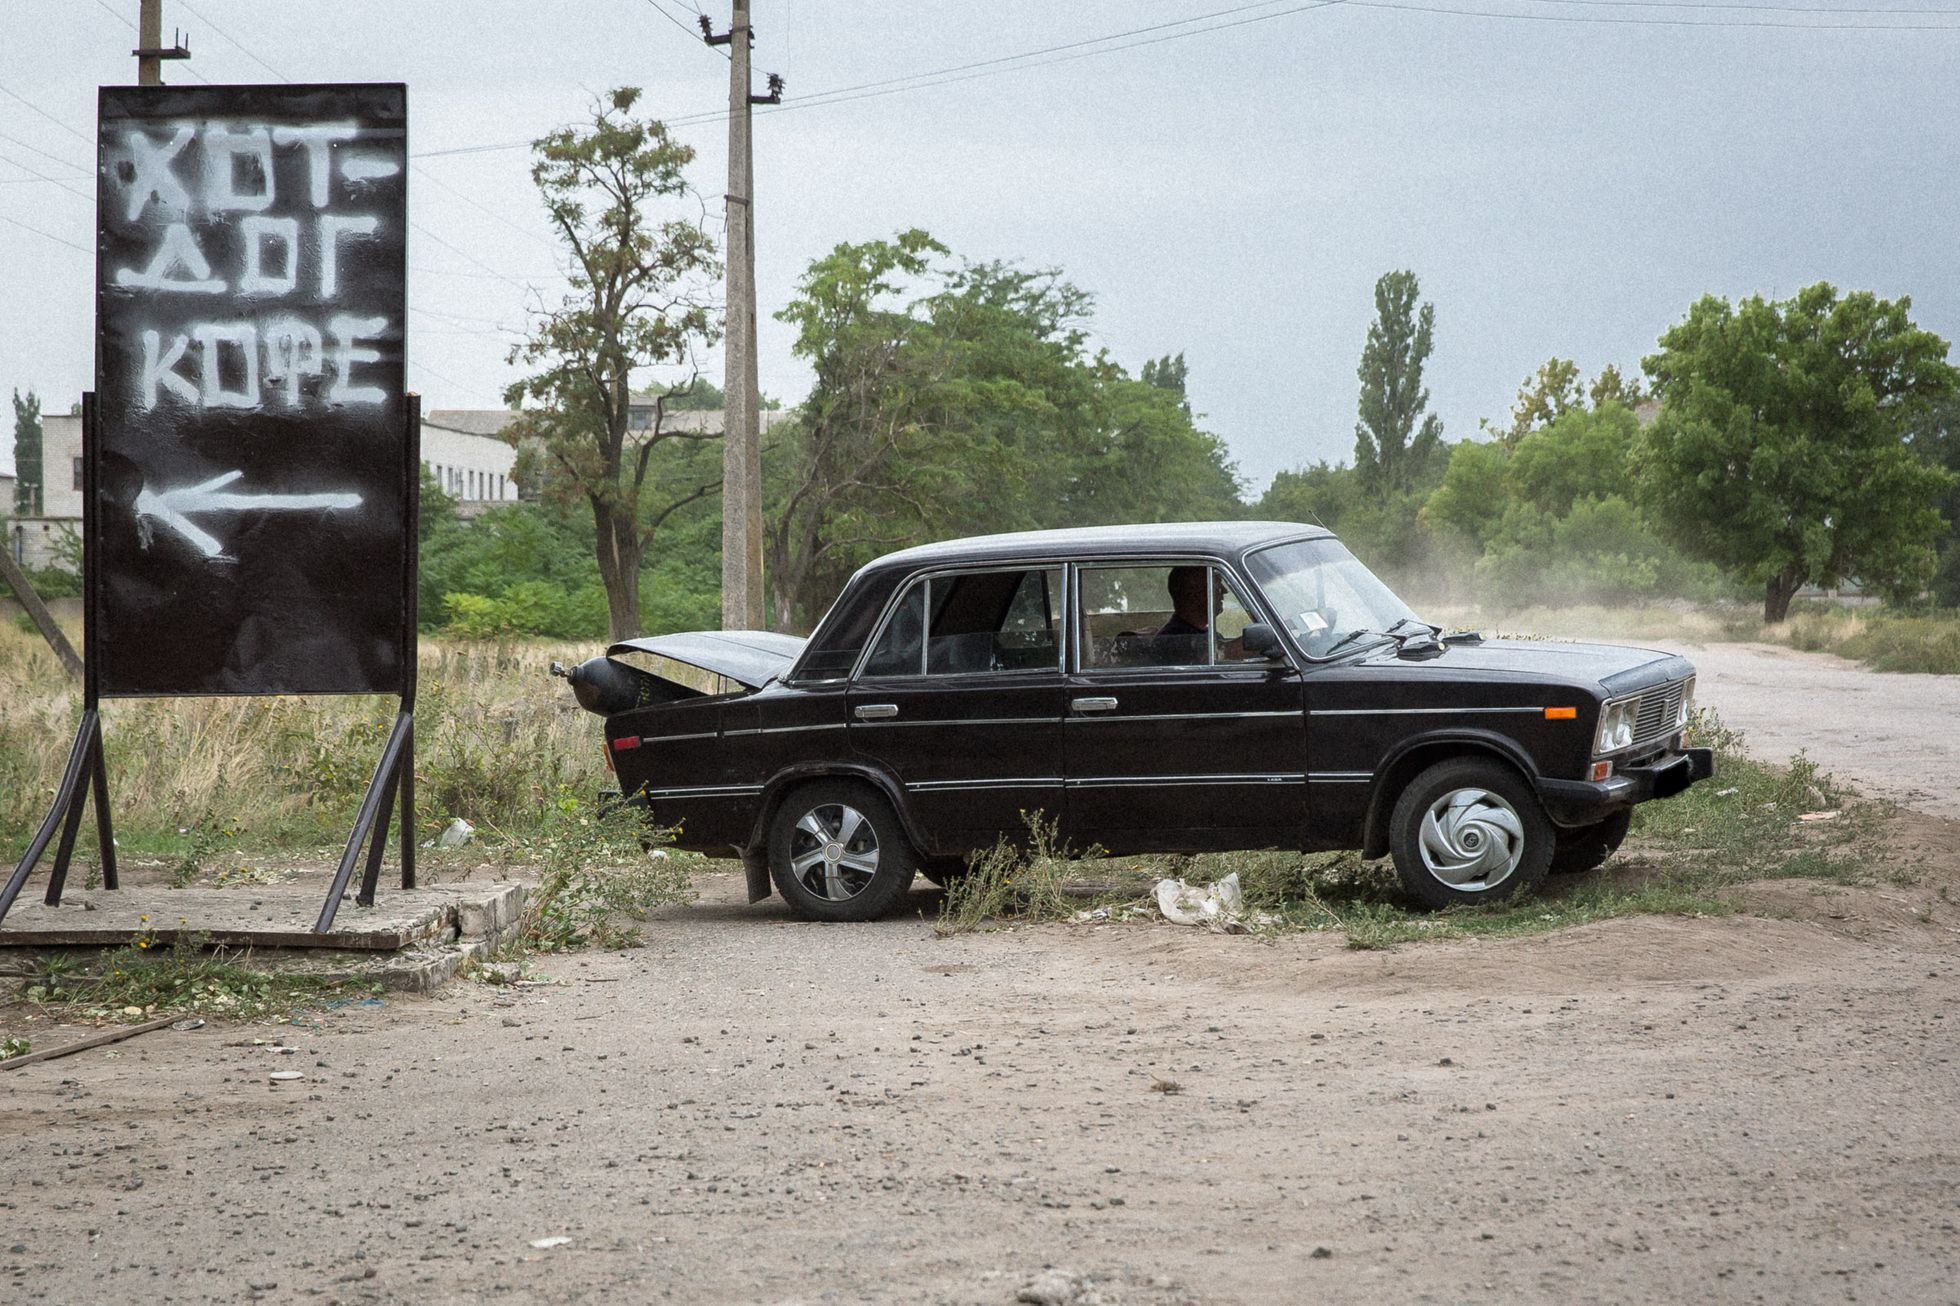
<point x="1327" y="599"/>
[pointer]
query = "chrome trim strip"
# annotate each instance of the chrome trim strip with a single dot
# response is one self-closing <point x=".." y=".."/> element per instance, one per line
<point x="1340" y="777"/>
<point x="968" y="721"/>
<point x="668" y="739"/>
<point x="705" y="791"/>
<point x="778" y="730"/>
<point x="1116" y="781"/>
<point x="1006" y="782"/>
<point x="1188" y="716"/>
<point x="1415" y="711"/>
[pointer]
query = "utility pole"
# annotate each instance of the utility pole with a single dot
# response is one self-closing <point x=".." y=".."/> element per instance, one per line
<point x="151" y="52"/>
<point x="741" y="461"/>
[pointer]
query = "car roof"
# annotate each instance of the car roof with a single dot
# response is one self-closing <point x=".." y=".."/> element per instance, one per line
<point x="1215" y="537"/>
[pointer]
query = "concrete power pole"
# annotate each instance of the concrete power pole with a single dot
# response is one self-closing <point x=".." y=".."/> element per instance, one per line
<point x="151" y="51"/>
<point x="741" y="484"/>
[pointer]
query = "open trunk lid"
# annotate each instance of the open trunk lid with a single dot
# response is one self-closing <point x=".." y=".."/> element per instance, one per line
<point x="750" y="658"/>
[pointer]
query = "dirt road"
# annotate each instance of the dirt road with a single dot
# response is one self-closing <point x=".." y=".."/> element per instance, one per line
<point x="752" y="1110"/>
<point x="1894" y="735"/>
<point x="747" y="1109"/>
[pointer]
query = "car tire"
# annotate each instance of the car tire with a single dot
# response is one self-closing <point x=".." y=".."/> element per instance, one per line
<point x="838" y="853"/>
<point x="1582" y="849"/>
<point x="1468" y="831"/>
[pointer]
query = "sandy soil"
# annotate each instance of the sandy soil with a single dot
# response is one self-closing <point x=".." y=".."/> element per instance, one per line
<point x="1895" y="735"/>
<point x="747" y="1109"/>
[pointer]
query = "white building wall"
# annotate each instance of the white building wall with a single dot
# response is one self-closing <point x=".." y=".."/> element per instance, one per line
<point x="472" y="468"/>
<point x="61" y="466"/>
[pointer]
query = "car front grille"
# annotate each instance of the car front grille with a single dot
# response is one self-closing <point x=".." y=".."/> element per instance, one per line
<point x="1659" y="712"/>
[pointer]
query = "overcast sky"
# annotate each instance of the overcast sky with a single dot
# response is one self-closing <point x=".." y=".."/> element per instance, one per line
<point x="1566" y="183"/>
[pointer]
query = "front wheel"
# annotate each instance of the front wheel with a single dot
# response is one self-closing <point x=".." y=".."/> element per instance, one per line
<point x="1469" y="831"/>
<point x="838" y="853"/>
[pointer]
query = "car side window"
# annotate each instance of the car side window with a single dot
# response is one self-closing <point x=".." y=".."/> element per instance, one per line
<point x="900" y="650"/>
<point x="1160" y="616"/>
<point x="979" y="621"/>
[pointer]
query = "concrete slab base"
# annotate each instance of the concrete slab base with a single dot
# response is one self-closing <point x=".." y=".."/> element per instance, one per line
<point x="410" y="941"/>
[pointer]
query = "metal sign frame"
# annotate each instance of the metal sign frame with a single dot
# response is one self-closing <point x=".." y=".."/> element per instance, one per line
<point x="85" y="777"/>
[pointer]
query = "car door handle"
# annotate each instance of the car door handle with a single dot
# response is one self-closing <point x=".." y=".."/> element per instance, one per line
<point x="877" y="711"/>
<point x="1093" y="704"/>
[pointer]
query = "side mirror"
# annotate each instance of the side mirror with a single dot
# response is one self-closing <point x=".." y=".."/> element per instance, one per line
<point x="1261" y="641"/>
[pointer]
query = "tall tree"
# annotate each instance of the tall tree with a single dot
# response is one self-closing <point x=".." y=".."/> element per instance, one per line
<point x="1396" y="439"/>
<point x="642" y="276"/>
<point x="1781" y="451"/>
<point x="28" y="481"/>
<point x="1168" y="373"/>
<point x="956" y="399"/>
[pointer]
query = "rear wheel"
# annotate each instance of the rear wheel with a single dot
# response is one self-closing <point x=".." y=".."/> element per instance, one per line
<point x="1468" y="831"/>
<point x="838" y="853"/>
<point x="1584" y="848"/>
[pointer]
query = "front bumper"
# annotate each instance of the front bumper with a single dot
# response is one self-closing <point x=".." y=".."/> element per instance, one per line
<point x="1573" y="803"/>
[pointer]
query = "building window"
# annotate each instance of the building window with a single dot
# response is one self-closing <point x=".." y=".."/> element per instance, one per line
<point x="78" y="473"/>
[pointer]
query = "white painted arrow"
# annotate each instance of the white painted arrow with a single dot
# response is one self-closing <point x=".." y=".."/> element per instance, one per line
<point x="175" y="507"/>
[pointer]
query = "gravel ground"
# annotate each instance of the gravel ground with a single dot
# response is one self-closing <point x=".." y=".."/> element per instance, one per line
<point x="749" y="1109"/>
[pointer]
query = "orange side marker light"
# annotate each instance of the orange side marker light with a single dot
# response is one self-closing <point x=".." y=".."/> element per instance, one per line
<point x="1561" y="714"/>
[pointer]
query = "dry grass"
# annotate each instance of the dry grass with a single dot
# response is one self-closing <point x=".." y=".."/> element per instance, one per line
<point x="496" y="741"/>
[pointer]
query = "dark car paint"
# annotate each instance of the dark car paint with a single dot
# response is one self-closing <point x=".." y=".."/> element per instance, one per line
<point x="1296" y="753"/>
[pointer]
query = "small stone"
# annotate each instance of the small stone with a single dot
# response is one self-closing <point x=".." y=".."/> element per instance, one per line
<point x="1322" y="1253"/>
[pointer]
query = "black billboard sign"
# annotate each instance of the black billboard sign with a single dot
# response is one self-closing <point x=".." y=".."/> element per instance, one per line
<point x="253" y="468"/>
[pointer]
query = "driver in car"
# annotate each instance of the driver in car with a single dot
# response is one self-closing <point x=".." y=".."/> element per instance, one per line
<point x="1191" y="619"/>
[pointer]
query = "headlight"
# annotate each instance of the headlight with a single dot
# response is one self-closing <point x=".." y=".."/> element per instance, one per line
<point x="1615" y="727"/>
<point x="1687" y="702"/>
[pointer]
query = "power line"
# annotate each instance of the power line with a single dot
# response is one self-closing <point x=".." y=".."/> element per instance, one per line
<point x="1657" y="22"/>
<point x="467" y="257"/>
<point x="53" y="158"/>
<point x="481" y="207"/>
<point x="994" y="67"/>
<point x="56" y="181"/>
<point x="235" y="44"/>
<point x="13" y="95"/>
<point x="48" y="234"/>
<point x="693" y="34"/>
<point x="116" y="14"/>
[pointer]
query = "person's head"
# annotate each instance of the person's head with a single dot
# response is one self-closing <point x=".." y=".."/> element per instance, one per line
<point x="1187" y="586"/>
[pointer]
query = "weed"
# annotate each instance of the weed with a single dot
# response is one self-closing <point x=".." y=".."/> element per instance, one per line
<point x="207" y="836"/>
<point x="14" y="1047"/>
<point x="1025" y="880"/>
<point x="146" y="978"/>
<point x="1685" y="857"/>
<point x="599" y="869"/>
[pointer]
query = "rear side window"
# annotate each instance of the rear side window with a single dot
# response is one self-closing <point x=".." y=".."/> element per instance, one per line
<point x="990" y="621"/>
<point x="835" y="646"/>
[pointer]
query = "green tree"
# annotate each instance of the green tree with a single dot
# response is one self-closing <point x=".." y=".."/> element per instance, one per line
<point x="1611" y="387"/>
<point x="1475" y="491"/>
<point x="641" y="280"/>
<point x="1936" y="439"/>
<point x="955" y="399"/>
<point x="1780" y="452"/>
<point x="1168" y="373"/>
<point x="28" y="481"/>
<point x="1396" y="439"/>
<point x="1545" y="397"/>
<point x="1581" y="453"/>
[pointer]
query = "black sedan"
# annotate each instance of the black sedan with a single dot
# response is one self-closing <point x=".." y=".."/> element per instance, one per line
<point x="1171" y="688"/>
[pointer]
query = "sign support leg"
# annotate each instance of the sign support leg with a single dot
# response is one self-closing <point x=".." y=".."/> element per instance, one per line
<point x="65" y="813"/>
<point x="380" y="793"/>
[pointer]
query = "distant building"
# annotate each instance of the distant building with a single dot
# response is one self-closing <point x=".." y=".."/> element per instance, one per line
<point x="463" y="449"/>
<point x="39" y="541"/>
